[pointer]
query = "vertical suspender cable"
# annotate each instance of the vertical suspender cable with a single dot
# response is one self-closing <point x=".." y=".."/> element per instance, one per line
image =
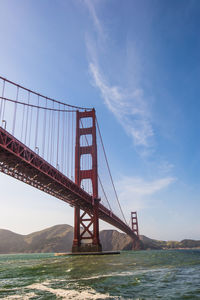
<point x="104" y="193"/>
<point x="23" y="117"/>
<point x="68" y="150"/>
<point x="88" y="162"/>
<point x="29" y="143"/>
<point x="3" y="109"/>
<point x="65" y="145"/>
<point x="81" y="159"/>
<point x="52" y="132"/>
<point x="26" y="127"/>
<point x="2" y="101"/>
<point x="62" y="145"/>
<point x="37" y="120"/>
<point x="49" y="137"/>
<point x="72" y="157"/>
<point x="15" y="111"/>
<point x="58" y="135"/>
<point x="44" y="129"/>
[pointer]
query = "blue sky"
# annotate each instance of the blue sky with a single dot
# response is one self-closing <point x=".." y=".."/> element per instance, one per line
<point x="137" y="63"/>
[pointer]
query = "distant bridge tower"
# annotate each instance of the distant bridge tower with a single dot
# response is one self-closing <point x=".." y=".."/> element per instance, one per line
<point x="134" y="222"/>
<point x="86" y="223"/>
<point x="134" y="226"/>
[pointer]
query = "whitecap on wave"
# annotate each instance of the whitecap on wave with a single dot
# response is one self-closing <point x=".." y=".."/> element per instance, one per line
<point x="69" y="294"/>
<point x="24" y="297"/>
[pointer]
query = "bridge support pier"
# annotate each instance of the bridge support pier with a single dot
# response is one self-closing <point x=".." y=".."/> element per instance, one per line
<point x="136" y="245"/>
<point x="86" y="220"/>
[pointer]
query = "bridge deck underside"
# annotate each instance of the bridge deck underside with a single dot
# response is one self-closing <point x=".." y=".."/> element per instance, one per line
<point x="25" y="165"/>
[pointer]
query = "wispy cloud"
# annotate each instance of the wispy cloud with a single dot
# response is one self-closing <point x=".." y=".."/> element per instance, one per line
<point x="96" y="21"/>
<point x="136" y="191"/>
<point x="128" y="105"/>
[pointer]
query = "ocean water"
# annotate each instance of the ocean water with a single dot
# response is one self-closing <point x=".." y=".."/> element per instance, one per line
<point x="131" y="275"/>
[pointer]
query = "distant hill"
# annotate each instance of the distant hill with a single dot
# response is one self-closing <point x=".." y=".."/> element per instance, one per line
<point x="158" y="245"/>
<point x="59" y="239"/>
<point x="54" y="239"/>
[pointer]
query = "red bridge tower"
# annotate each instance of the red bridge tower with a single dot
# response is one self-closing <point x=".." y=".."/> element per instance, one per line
<point x="134" y="225"/>
<point x="134" y="222"/>
<point x="89" y="221"/>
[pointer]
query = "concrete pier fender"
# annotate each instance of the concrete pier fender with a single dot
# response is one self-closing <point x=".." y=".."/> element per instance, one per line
<point x="87" y="253"/>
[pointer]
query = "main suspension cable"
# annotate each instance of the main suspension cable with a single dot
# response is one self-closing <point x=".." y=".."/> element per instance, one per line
<point x="36" y="106"/>
<point x="110" y="171"/>
<point x="39" y="95"/>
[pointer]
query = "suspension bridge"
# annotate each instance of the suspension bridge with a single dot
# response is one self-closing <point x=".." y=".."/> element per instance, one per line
<point x="58" y="149"/>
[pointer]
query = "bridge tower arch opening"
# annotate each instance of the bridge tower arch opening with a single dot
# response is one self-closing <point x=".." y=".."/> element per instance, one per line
<point x="86" y="222"/>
